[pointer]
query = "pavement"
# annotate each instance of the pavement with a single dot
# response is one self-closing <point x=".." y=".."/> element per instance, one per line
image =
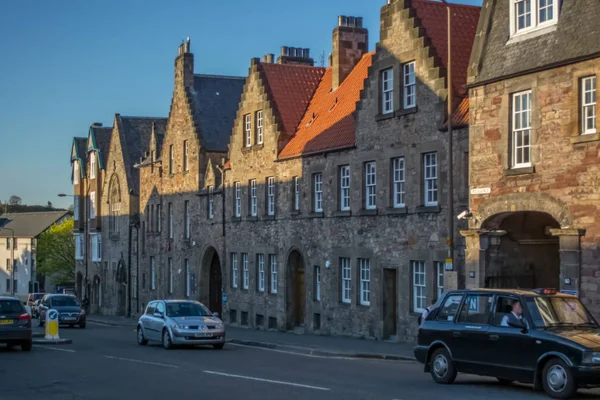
<point x="105" y="362"/>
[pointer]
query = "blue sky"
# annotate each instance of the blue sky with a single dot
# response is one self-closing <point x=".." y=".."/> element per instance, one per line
<point x="66" y="64"/>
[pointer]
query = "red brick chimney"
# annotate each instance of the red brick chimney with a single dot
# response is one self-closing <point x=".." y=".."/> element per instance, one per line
<point x="350" y="42"/>
<point x="184" y="65"/>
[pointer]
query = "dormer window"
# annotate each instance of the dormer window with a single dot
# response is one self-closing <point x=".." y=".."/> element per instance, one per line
<point x="76" y="173"/>
<point x="529" y="15"/>
<point x="92" y="165"/>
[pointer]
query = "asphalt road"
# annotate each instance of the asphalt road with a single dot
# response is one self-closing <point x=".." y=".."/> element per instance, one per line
<point x="106" y="363"/>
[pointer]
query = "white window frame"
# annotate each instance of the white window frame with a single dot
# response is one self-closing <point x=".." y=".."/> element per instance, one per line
<point x="317" y="283"/>
<point x="92" y="206"/>
<point x="253" y="199"/>
<point x="387" y="91"/>
<point x="430" y="177"/>
<point x="238" y="199"/>
<point x="78" y="246"/>
<point x="399" y="180"/>
<point x="409" y="88"/>
<point x="171" y="159"/>
<point x="271" y="196"/>
<point x="245" y="271"/>
<point x="521" y="129"/>
<point x="211" y="202"/>
<point x="346" y="275"/>
<point x="260" y="261"/>
<point x="188" y="224"/>
<point x="365" y="281"/>
<point x="171" y="221"/>
<point x="76" y="173"/>
<point x="186" y="165"/>
<point x="439" y="283"/>
<point x="259" y="127"/>
<point x="318" y="192"/>
<point x="152" y="273"/>
<point x="170" y="261"/>
<point x="535" y="9"/>
<point x="76" y="208"/>
<point x="419" y="283"/>
<point x="188" y="278"/>
<point x="588" y="105"/>
<point x="296" y="193"/>
<point x="345" y="188"/>
<point x="247" y="130"/>
<point x="93" y="165"/>
<point x="370" y="185"/>
<point x="234" y="270"/>
<point x="273" y="270"/>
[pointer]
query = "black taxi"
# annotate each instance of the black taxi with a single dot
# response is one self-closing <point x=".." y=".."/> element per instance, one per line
<point x="540" y="336"/>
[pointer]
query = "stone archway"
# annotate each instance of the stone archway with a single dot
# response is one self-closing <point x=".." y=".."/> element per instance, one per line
<point x="211" y="281"/>
<point x="295" y="290"/>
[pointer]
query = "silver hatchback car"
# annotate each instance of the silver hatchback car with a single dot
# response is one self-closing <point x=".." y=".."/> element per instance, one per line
<point x="180" y="322"/>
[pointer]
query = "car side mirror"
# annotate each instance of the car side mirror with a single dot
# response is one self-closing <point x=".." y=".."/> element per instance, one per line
<point x="519" y="324"/>
<point x="158" y="315"/>
<point x="216" y="314"/>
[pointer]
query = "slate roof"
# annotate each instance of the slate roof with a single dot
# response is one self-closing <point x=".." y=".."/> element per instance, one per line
<point x="29" y="225"/>
<point x="434" y="19"/>
<point x="329" y="122"/>
<point x="80" y="144"/>
<point x="576" y="36"/>
<point x="102" y="137"/>
<point x="216" y="100"/>
<point x="291" y="88"/>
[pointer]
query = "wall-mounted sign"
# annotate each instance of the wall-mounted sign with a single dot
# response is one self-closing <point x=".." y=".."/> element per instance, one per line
<point x="471" y="274"/>
<point x="481" y="191"/>
<point x="448" y="264"/>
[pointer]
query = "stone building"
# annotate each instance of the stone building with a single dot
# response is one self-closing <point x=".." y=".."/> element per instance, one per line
<point x="535" y="195"/>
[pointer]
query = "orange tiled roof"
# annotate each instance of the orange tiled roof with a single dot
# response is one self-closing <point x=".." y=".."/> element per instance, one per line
<point x="434" y="19"/>
<point x="329" y="121"/>
<point x="227" y="165"/>
<point x="460" y="116"/>
<point x="291" y="87"/>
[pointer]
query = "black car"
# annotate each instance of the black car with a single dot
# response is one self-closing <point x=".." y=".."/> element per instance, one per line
<point x="15" y="323"/>
<point x="69" y="309"/>
<point x="555" y="346"/>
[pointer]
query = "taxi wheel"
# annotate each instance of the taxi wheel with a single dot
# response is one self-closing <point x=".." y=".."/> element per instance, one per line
<point x="167" y="342"/>
<point x="557" y="380"/>
<point x="442" y="367"/>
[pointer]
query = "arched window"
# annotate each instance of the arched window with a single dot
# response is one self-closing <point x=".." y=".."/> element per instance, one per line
<point x="114" y="201"/>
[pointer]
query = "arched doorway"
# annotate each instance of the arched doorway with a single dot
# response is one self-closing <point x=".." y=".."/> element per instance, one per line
<point x="521" y="252"/>
<point x="211" y="282"/>
<point x="121" y="284"/>
<point x="296" y="290"/>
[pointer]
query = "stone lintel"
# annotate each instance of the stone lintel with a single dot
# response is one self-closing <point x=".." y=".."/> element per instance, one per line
<point x="567" y="232"/>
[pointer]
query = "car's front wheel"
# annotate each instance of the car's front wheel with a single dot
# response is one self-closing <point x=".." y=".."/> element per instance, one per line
<point x="558" y="380"/>
<point x="166" y="340"/>
<point x="142" y="341"/>
<point x="442" y="367"/>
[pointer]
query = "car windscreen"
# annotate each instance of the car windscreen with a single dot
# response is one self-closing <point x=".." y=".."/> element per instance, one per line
<point x="548" y="311"/>
<point x="187" y="310"/>
<point x="10" y="307"/>
<point x="64" y="301"/>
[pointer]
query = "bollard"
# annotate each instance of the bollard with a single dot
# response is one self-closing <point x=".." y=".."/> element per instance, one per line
<point x="52" y="325"/>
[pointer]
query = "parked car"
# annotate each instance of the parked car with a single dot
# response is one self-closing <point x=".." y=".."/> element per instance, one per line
<point x="555" y="345"/>
<point x="180" y="322"/>
<point x="69" y="309"/>
<point x="15" y="323"/>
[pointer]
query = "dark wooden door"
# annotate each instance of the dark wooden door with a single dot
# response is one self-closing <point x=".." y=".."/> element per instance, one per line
<point x="215" y="287"/>
<point x="389" y="303"/>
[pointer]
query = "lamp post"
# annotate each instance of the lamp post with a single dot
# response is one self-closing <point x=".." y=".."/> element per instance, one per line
<point x="85" y="235"/>
<point x="12" y="261"/>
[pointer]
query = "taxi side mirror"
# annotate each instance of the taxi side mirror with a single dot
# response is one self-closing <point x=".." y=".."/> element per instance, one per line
<point x="519" y="324"/>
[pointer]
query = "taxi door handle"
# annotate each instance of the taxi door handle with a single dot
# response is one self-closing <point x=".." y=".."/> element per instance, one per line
<point x="494" y="337"/>
<point x="456" y="334"/>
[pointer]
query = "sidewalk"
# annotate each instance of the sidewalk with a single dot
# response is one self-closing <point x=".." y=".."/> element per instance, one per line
<point x="332" y="346"/>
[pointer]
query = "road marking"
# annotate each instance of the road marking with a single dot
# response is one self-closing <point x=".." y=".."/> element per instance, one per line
<point x="266" y="380"/>
<point x="295" y="353"/>
<point x="142" y="362"/>
<point x="55" y="349"/>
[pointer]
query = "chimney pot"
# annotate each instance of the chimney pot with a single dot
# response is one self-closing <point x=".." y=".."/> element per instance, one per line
<point x="97" y="124"/>
<point x="270" y="58"/>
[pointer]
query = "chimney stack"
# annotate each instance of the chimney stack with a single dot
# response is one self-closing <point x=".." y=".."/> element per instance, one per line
<point x="184" y="65"/>
<point x="268" y="58"/>
<point x="350" y="43"/>
<point x="295" y="55"/>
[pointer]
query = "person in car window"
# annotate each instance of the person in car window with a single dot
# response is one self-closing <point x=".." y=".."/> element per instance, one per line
<point x="426" y="312"/>
<point x="515" y="315"/>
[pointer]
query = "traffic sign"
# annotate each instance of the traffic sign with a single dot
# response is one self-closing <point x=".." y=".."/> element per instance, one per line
<point x="52" y="325"/>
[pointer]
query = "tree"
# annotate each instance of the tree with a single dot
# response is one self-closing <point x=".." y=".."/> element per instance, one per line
<point x="15" y="200"/>
<point x="56" y="252"/>
<point x="50" y="205"/>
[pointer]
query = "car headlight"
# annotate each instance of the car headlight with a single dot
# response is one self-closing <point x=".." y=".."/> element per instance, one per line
<point x="591" y="357"/>
<point x="219" y="325"/>
<point x="179" y="326"/>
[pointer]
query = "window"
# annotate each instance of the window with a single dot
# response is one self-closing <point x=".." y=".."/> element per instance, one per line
<point x="259" y="127"/>
<point x="247" y="130"/>
<point x="172" y="160"/>
<point x="170" y="220"/>
<point x="270" y="196"/>
<point x="370" y="188"/>
<point x="346" y="280"/>
<point x="245" y="271"/>
<point x="211" y="202"/>
<point x="76" y="172"/>
<point x="318" y="192"/>
<point x="238" y="199"/>
<point x="527" y="15"/>
<point x="588" y="105"/>
<point x="345" y="188"/>
<point x="76" y="208"/>
<point x="92" y="165"/>
<point x="8" y="243"/>
<point x="186" y="210"/>
<point x="186" y="166"/>
<point x="449" y="310"/>
<point x="521" y="137"/>
<point x="153" y="273"/>
<point x="439" y="269"/>
<point x="365" y="281"/>
<point x="399" y="177"/>
<point x="273" y="263"/>
<point x="150" y="216"/>
<point x="419" y="286"/>
<point x="476" y="309"/>
<point x="188" y="278"/>
<point x="96" y="247"/>
<point x="503" y="307"/>
<point x="409" y="85"/>
<point x="170" y="276"/>
<point x="317" y="283"/>
<point x="158" y="212"/>
<point x="78" y="246"/>
<point x="430" y="168"/>
<point x="253" y="198"/>
<point x="92" y="205"/>
<point x="260" y="261"/>
<point x="387" y="91"/>
<point x="296" y="193"/>
<point x="234" y="270"/>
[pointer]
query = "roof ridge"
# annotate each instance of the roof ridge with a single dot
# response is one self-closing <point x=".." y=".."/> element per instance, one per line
<point x="219" y="76"/>
<point x="449" y="3"/>
<point x="34" y="212"/>
<point x="135" y="117"/>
